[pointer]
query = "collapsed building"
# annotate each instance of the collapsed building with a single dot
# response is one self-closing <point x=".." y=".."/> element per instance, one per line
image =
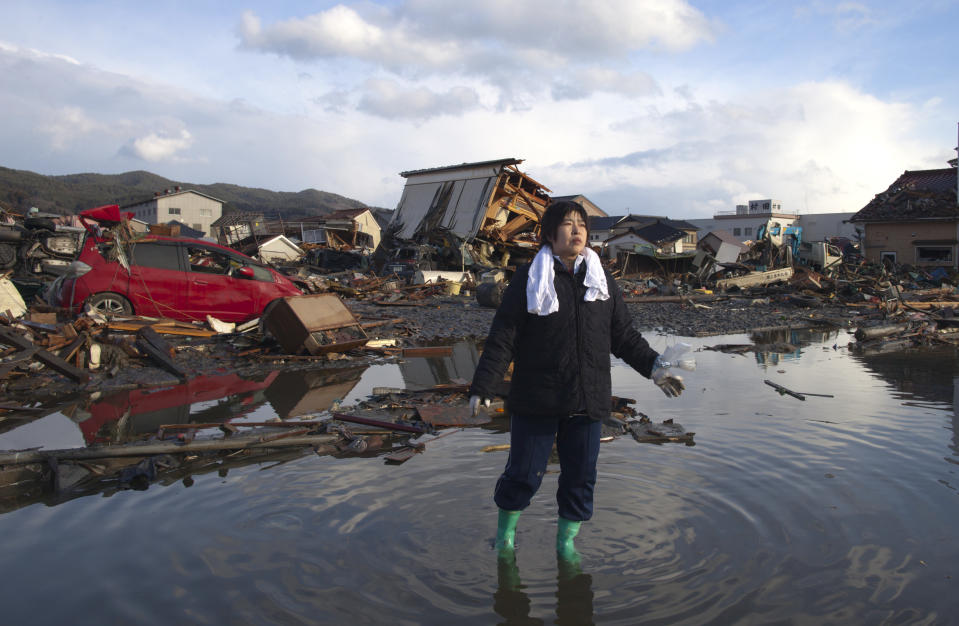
<point x="481" y="215"/>
<point x="342" y="239"/>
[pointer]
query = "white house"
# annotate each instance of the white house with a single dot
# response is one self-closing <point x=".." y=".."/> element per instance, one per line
<point x="196" y="210"/>
<point x="629" y="241"/>
<point x="279" y="249"/>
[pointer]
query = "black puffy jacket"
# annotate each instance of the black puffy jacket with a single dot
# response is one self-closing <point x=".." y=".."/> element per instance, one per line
<point x="562" y="360"/>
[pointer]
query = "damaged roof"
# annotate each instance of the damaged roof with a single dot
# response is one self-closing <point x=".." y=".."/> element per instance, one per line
<point x="495" y="162"/>
<point x="659" y="233"/>
<point x="915" y="195"/>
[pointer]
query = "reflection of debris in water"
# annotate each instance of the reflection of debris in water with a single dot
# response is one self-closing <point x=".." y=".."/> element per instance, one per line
<point x="132" y="414"/>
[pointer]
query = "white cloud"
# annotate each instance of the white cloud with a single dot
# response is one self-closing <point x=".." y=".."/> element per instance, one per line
<point x="816" y="146"/>
<point x="160" y="146"/>
<point x="583" y="82"/>
<point x="517" y="47"/>
<point x="340" y="32"/>
<point x="570" y="29"/>
<point x="388" y="99"/>
<point x="66" y="125"/>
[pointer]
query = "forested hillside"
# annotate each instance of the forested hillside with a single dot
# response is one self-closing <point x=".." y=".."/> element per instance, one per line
<point x="20" y="190"/>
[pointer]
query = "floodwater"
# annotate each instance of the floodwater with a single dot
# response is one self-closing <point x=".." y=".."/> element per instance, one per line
<point x="828" y="510"/>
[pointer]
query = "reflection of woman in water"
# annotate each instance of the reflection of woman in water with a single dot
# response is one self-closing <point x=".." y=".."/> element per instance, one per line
<point x="560" y="319"/>
<point x="574" y="595"/>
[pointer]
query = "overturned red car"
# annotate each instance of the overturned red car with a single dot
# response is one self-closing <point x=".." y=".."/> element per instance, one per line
<point x="169" y="277"/>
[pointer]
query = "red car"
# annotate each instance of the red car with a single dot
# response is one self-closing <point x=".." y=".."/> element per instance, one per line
<point x="170" y="277"/>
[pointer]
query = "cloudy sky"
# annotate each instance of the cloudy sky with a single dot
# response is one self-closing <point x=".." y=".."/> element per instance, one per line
<point x="675" y="107"/>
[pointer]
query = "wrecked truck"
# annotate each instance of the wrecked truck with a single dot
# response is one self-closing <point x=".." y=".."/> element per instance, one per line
<point x="477" y="216"/>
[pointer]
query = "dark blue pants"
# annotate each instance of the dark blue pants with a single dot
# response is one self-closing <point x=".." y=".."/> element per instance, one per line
<point x="531" y="440"/>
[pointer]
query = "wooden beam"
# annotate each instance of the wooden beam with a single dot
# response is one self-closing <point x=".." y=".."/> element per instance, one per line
<point x="52" y="361"/>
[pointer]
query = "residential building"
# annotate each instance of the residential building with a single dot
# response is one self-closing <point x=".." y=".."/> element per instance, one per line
<point x="601" y="228"/>
<point x="591" y="209"/>
<point x="915" y="221"/>
<point x="657" y="237"/>
<point x="192" y="208"/>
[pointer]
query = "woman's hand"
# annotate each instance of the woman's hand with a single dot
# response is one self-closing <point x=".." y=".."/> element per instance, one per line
<point x="475" y="402"/>
<point x="671" y="384"/>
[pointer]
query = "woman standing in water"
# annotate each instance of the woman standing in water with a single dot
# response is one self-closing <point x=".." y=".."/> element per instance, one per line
<point x="560" y="319"/>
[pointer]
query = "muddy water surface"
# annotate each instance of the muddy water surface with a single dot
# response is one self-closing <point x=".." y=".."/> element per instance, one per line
<point x="828" y="510"/>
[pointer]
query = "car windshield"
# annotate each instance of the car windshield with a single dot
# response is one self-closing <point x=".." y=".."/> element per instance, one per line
<point x="406" y="254"/>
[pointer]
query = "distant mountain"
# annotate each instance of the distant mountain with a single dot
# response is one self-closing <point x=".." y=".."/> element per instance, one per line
<point x="20" y="190"/>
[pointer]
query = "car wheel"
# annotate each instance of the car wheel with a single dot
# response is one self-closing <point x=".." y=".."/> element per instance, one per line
<point x="110" y="304"/>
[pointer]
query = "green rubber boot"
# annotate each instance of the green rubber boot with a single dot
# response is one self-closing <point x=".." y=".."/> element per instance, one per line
<point x="506" y="531"/>
<point x="566" y="531"/>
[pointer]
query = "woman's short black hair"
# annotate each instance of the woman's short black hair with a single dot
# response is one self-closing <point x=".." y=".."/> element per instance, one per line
<point x="554" y="216"/>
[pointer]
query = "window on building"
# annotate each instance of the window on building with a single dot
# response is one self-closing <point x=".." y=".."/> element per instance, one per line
<point x="934" y="254"/>
<point x="689" y="238"/>
<point x="748" y="231"/>
<point x="173" y="210"/>
<point x="737" y="232"/>
<point x="206" y="212"/>
<point x="198" y="227"/>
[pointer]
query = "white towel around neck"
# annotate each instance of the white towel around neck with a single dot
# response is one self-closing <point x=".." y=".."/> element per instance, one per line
<point x="541" y="296"/>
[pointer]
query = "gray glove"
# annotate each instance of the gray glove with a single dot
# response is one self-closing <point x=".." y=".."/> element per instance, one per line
<point x="475" y="402"/>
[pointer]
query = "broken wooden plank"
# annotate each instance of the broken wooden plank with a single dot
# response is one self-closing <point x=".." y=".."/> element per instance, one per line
<point x="149" y="449"/>
<point x="163" y="328"/>
<point x="401" y="454"/>
<point x="884" y="330"/>
<point x="945" y="304"/>
<point x="428" y="351"/>
<point x="151" y="344"/>
<point x="52" y="361"/>
<point x="782" y="390"/>
<point x="447" y="415"/>
<point x="69" y="351"/>
<point x="374" y="324"/>
<point x="379" y="423"/>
